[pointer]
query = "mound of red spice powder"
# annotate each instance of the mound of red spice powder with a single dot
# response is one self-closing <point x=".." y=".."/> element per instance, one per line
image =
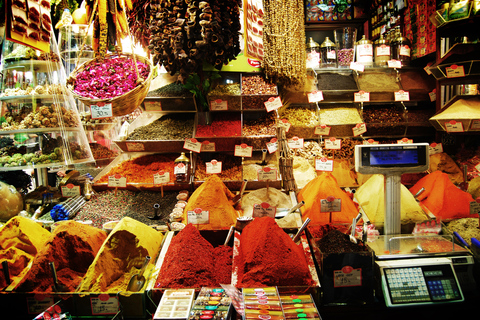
<point x="269" y="257"/>
<point x="193" y="262"/>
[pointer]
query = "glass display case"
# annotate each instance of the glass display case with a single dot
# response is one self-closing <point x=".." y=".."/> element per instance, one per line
<point x="39" y="123"/>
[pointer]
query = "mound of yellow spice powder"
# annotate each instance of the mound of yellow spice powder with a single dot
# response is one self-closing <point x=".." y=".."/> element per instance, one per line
<point x="121" y="256"/>
<point x="20" y="240"/>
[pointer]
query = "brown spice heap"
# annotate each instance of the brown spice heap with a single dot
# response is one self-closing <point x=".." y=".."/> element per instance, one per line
<point x="257" y="85"/>
<point x="338" y="242"/>
<point x="231" y="167"/>
<point x="101" y="152"/>
<point x="193" y="262"/>
<point x="382" y="115"/>
<point x="260" y="127"/>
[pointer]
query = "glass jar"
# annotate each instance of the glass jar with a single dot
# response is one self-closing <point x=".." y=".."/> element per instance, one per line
<point x="345" y="44"/>
<point x="364" y="52"/>
<point x="328" y="54"/>
<point x="182" y="169"/>
<point x="401" y="50"/>
<point x="313" y="54"/>
<point x="382" y="52"/>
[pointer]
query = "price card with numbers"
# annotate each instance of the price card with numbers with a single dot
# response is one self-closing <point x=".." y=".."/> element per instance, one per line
<point x="39" y="303"/>
<point x="273" y="104"/>
<point x="347" y="277"/>
<point x="331" y="204"/>
<point x="370" y="141"/>
<point x="104" y="304"/>
<point x="243" y="150"/>
<point x="267" y="173"/>
<point x="208" y="146"/>
<point x="192" y="144"/>
<point x="272" y="145"/>
<point x="214" y="167"/>
<point x="397" y="64"/>
<point x="152" y="105"/>
<point x="333" y="143"/>
<point x="315" y="96"/>
<point x="198" y="216"/>
<point x="219" y="105"/>
<point x="101" y="110"/>
<point x="359" y="129"/>
<point x="323" y="164"/>
<point x="357" y="66"/>
<point x="361" y="96"/>
<point x="453" y="126"/>
<point x="455" y="71"/>
<point x="162" y="177"/>
<point x="435" y="148"/>
<point x="117" y="181"/>
<point x="322" y="130"/>
<point x="295" y="143"/>
<point x="135" y="146"/>
<point x="475" y="206"/>
<point x="402" y="95"/>
<point x="70" y="190"/>
<point x="263" y="209"/>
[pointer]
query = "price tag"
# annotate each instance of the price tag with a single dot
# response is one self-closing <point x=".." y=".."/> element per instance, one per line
<point x="435" y="148"/>
<point x="347" y="277"/>
<point x="453" y="126"/>
<point x="361" y="96"/>
<point x="477" y="167"/>
<point x="153" y="105"/>
<point x="117" y="181"/>
<point x="39" y="303"/>
<point x="272" y="145"/>
<point x="370" y="141"/>
<point x="402" y="95"/>
<point x="273" y="104"/>
<point x="394" y="64"/>
<point x="263" y="210"/>
<point x="214" y="167"/>
<point x="70" y="190"/>
<point x="433" y="95"/>
<point x="101" y="110"/>
<point x="242" y="150"/>
<point x="198" y="216"/>
<point x="405" y="141"/>
<point x="162" y="177"/>
<point x="219" y="105"/>
<point x="475" y="124"/>
<point x="315" y="96"/>
<point x="208" y="146"/>
<point x="104" y="304"/>
<point x="455" y="71"/>
<point x="322" y="130"/>
<point x="180" y="168"/>
<point x="360" y="128"/>
<point x="267" y="173"/>
<point x="295" y="143"/>
<point x="285" y="124"/>
<point x="333" y="143"/>
<point x="475" y="207"/>
<point x="357" y="66"/>
<point x="331" y="204"/>
<point x="135" y="146"/>
<point x="193" y="145"/>
<point x="323" y="164"/>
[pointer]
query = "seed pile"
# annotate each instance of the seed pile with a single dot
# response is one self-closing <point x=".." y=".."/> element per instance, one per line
<point x="174" y="89"/>
<point x="168" y="127"/>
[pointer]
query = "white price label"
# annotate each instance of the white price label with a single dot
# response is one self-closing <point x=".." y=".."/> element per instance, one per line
<point x="405" y="141"/>
<point x="347" y="277"/>
<point x="104" y="304"/>
<point x="475" y="207"/>
<point x="70" y="190"/>
<point x="435" y="148"/>
<point x="331" y="204"/>
<point x="180" y="168"/>
<point x="475" y="124"/>
<point x="315" y="96"/>
<point x="383" y="50"/>
<point x="394" y="64"/>
<point x="219" y="105"/>
<point x="267" y="173"/>
<point x="359" y="129"/>
<point x="455" y="71"/>
<point x="135" y="146"/>
<point x="295" y="143"/>
<point x="214" y="167"/>
<point x="101" y="110"/>
<point x="39" y="303"/>
<point x="272" y="145"/>
<point x="453" y="126"/>
<point x="323" y="164"/>
<point x="273" y="104"/>
<point x="242" y="150"/>
<point x="192" y="144"/>
<point x="153" y="105"/>
<point x="117" y="181"/>
<point x="208" y="146"/>
<point x="370" y="141"/>
<point x="433" y="95"/>
<point x="357" y="66"/>
<point x="322" y="130"/>
<point x="333" y="143"/>
<point x="361" y="96"/>
<point x="263" y="210"/>
<point x="402" y="95"/>
<point x="198" y="216"/>
<point x="161" y="177"/>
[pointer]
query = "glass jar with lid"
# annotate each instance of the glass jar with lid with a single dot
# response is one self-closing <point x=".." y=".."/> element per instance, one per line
<point x="328" y="54"/>
<point x="313" y="54"/>
<point x="182" y="169"/>
<point x="401" y="49"/>
<point x="382" y="52"/>
<point x="364" y="52"/>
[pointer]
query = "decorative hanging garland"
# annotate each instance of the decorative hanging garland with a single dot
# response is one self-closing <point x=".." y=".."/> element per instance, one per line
<point x="284" y="42"/>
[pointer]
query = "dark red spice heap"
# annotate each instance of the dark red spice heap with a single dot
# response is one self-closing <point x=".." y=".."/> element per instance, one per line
<point x="192" y="262"/>
<point x="269" y="257"/>
<point x="338" y="242"/>
<point x="223" y="125"/>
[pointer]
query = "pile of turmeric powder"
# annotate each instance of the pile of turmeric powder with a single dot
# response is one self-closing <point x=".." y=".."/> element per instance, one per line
<point x="215" y="201"/>
<point x="323" y="187"/>
<point x="20" y="240"/>
<point x="121" y="256"/>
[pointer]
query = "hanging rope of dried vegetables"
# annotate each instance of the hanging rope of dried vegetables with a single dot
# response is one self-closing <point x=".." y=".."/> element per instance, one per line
<point x="139" y="22"/>
<point x="284" y="42"/>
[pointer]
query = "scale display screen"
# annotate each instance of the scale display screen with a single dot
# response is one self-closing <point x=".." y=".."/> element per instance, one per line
<point x="393" y="157"/>
<point x="421" y="284"/>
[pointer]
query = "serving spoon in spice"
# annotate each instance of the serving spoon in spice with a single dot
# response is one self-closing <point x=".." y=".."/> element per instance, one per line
<point x="138" y="280"/>
<point x="56" y="286"/>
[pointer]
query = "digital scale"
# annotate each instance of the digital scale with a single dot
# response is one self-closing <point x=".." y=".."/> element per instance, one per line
<point x="414" y="270"/>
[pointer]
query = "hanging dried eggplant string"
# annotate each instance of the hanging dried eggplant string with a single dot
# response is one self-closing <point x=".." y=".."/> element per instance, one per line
<point x="285" y="161"/>
<point x="283" y="41"/>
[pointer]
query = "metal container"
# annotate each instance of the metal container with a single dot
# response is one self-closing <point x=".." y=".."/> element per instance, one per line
<point x="364" y="52"/>
<point x="382" y="52"/>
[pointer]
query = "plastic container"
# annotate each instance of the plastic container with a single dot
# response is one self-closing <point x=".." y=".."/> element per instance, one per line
<point x="401" y="49"/>
<point x="328" y="54"/>
<point x="382" y="52"/>
<point x="345" y="42"/>
<point x="313" y="54"/>
<point x="364" y="52"/>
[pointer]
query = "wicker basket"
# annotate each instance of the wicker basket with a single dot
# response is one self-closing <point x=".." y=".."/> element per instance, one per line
<point x="121" y="105"/>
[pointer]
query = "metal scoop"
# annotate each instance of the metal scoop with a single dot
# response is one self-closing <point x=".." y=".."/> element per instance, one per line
<point x="239" y="196"/>
<point x="57" y="286"/>
<point x="138" y="280"/>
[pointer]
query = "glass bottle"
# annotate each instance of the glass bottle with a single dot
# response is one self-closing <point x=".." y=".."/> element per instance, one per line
<point x="328" y="54"/>
<point x="382" y="52"/>
<point x="182" y="168"/>
<point x="313" y="54"/>
<point x="401" y="49"/>
<point x="364" y="52"/>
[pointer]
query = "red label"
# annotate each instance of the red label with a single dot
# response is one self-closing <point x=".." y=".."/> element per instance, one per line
<point x="254" y="63"/>
<point x="347" y="269"/>
<point x="104" y="297"/>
